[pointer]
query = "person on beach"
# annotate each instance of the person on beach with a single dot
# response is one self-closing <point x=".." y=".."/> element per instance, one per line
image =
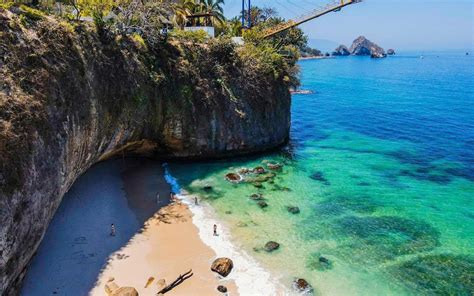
<point x="112" y="229"/>
<point x="195" y="200"/>
<point x="215" y="230"/>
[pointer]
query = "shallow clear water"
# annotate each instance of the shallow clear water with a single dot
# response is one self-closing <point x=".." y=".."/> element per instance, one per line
<point x="381" y="166"/>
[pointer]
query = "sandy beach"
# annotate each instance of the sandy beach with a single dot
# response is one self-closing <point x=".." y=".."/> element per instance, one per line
<point x="168" y="246"/>
<point x="155" y="238"/>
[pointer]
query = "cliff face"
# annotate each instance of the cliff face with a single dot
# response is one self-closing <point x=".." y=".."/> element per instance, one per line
<point x="70" y="97"/>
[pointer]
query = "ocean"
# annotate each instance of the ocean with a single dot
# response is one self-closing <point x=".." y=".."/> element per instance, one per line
<point x="381" y="167"/>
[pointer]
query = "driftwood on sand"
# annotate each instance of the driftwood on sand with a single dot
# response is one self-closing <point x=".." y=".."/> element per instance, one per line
<point x="181" y="278"/>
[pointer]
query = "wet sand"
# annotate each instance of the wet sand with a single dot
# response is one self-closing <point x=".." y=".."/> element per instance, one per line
<point x="78" y="255"/>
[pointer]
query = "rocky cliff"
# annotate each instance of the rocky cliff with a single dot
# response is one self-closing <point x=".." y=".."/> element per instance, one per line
<point x="71" y="95"/>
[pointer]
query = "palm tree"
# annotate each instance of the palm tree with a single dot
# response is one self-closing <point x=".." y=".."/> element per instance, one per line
<point x="215" y="9"/>
<point x="183" y="9"/>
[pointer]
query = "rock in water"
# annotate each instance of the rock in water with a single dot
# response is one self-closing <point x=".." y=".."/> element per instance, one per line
<point x="271" y="246"/>
<point x="222" y="289"/>
<point x="341" y="50"/>
<point x="256" y="196"/>
<point x="262" y="204"/>
<point x="125" y="291"/>
<point x="293" y="210"/>
<point x="302" y="285"/>
<point x="391" y="51"/>
<point x="222" y="266"/>
<point x="233" y="177"/>
<point x="363" y="46"/>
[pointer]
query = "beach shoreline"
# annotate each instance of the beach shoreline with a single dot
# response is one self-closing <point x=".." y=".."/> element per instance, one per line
<point x="166" y="247"/>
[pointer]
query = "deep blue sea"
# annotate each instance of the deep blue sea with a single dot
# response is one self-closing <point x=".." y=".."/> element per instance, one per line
<point x="381" y="166"/>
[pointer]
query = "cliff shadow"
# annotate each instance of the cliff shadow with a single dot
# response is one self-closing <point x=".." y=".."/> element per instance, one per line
<point x="77" y="244"/>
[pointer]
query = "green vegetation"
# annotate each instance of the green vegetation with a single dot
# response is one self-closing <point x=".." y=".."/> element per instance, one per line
<point x="149" y="23"/>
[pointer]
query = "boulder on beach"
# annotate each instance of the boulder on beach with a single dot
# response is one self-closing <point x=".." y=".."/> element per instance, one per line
<point x="110" y="287"/>
<point x="341" y="50"/>
<point x="222" y="266"/>
<point x="125" y="291"/>
<point x="301" y="285"/>
<point x="222" y="289"/>
<point x="271" y="246"/>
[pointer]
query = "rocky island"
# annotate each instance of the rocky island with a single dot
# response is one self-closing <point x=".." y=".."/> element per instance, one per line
<point x="361" y="47"/>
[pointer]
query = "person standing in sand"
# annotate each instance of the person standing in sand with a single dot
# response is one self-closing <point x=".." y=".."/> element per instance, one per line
<point x="215" y="230"/>
<point x="112" y="229"/>
<point x="196" y="200"/>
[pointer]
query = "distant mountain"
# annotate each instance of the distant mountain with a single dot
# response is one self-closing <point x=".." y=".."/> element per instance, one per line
<point x="323" y="45"/>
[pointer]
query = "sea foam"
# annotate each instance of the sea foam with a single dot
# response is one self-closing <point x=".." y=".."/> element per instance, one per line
<point x="250" y="277"/>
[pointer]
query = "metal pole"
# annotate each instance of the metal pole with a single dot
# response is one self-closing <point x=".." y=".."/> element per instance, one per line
<point x="250" y="16"/>
<point x="243" y="13"/>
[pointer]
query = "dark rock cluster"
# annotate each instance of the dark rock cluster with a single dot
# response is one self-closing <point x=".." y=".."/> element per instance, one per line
<point x="362" y="47"/>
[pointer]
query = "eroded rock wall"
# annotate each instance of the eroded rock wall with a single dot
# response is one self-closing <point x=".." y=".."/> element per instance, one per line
<point x="72" y="96"/>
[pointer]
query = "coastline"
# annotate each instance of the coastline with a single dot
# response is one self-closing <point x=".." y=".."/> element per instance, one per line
<point x="315" y="58"/>
<point x="167" y="246"/>
<point x="249" y="276"/>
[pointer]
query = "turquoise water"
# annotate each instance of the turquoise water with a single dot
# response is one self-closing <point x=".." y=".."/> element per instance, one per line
<point x="381" y="166"/>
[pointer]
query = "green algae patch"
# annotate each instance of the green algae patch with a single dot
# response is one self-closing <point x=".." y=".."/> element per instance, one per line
<point x="438" y="274"/>
<point x="389" y="236"/>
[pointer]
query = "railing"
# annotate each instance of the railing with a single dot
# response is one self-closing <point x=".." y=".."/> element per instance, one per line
<point x="334" y="5"/>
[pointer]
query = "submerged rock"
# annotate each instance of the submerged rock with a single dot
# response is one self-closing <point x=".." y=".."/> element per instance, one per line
<point x="256" y="196"/>
<point x="262" y="204"/>
<point x="293" y="210"/>
<point x="319" y="176"/>
<point x="258" y="185"/>
<point x="271" y="246"/>
<point x="222" y="266"/>
<point x="222" y="289"/>
<point x="207" y="188"/>
<point x="274" y="166"/>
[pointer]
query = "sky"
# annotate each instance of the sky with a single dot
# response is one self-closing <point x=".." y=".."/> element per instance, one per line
<point x="400" y="24"/>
